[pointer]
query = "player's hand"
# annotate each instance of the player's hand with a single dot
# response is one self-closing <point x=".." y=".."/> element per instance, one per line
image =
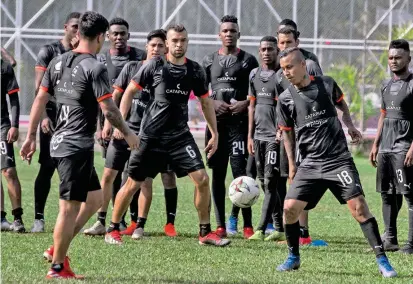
<point x="212" y="146"/>
<point x="250" y="146"/>
<point x="292" y="170"/>
<point x="133" y="141"/>
<point x="221" y="107"/>
<point x="107" y="131"/>
<point x="373" y="155"/>
<point x="74" y="42"/>
<point x="239" y="107"/>
<point x="12" y="135"/>
<point x="278" y="136"/>
<point x="355" y="135"/>
<point x="408" y="161"/>
<point x="46" y="126"/>
<point x="27" y="150"/>
<point x="98" y="136"/>
<point x="118" y="135"/>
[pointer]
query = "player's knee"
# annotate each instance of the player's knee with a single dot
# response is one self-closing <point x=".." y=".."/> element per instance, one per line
<point x="168" y="180"/>
<point x="359" y="209"/>
<point x="202" y="181"/>
<point x="131" y="186"/>
<point x="108" y="177"/>
<point x="10" y="174"/>
<point x="290" y="213"/>
<point x="69" y="208"/>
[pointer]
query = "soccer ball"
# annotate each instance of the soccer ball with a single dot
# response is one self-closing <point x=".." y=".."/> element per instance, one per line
<point x="244" y="192"/>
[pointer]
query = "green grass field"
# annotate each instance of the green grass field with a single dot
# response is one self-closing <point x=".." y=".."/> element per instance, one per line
<point x="158" y="259"/>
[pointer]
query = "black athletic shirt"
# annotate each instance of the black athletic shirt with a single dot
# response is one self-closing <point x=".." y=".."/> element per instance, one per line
<point x="263" y="91"/>
<point x="311" y="110"/>
<point x="397" y="103"/>
<point x="140" y="100"/>
<point x="9" y="87"/>
<point x="44" y="57"/>
<point x="309" y="55"/>
<point x="229" y="77"/>
<point x="170" y="86"/>
<point x="78" y="82"/>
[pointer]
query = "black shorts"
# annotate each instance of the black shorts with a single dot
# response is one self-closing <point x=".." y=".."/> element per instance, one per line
<point x="154" y="156"/>
<point x="117" y="155"/>
<point x="392" y="176"/>
<point x="313" y="178"/>
<point x="267" y="158"/>
<point x="7" y="155"/>
<point x="44" y="155"/>
<point x="232" y="146"/>
<point x="77" y="176"/>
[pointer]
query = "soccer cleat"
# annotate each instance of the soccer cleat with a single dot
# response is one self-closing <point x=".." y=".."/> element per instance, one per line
<point x="248" y="232"/>
<point x="96" y="230"/>
<point x="270" y="229"/>
<point x="48" y="254"/>
<point x="305" y="241"/>
<point x="221" y="232"/>
<point x="113" y="238"/>
<point x="275" y="236"/>
<point x="257" y="236"/>
<point x="213" y="239"/>
<point x="291" y="263"/>
<point x="232" y="226"/>
<point x="169" y="230"/>
<point x="129" y="230"/>
<point x="18" y="226"/>
<point x="38" y="226"/>
<point x="388" y="245"/>
<point x="65" y="273"/>
<point x="385" y="267"/>
<point x="137" y="234"/>
<point x="5" y="225"/>
<point x="407" y="248"/>
<point x="123" y="226"/>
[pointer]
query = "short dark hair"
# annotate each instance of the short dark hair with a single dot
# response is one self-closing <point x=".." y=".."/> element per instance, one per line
<point x="288" y="22"/>
<point x="179" y="28"/>
<point x="92" y="24"/>
<point x="229" y="19"/>
<point x="290" y="50"/>
<point x="73" y="15"/>
<point x="119" y="21"/>
<point x="399" y="44"/>
<point x="269" y="39"/>
<point x="156" y="33"/>
<point x="287" y="31"/>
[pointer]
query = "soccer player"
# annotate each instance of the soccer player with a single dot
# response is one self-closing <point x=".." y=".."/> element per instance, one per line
<point x="165" y="136"/>
<point x="262" y="136"/>
<point x="42" y="183"/>
<point x="288" y="37"/>
<point x="228" y="72"/>
<point x="80" y="84"/>
<point x="115" y="59"/>
<point x="10" y="134"/>
<point x="392" y="151"/>
<point x="309" y="106"/>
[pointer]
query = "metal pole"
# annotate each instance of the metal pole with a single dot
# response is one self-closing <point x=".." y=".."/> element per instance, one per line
<point x="164" y="10"/>
<point x="89" y="5"/>
<point x="351" y="28"/>
<point x="173" y="14"/>
<point x="17" y="43"/>
<point x="225" y="7"/>
<point x="315" y="25"/>
<point x="363" y="86"/>
<point x="239" y="18"/>
<point x="158" y="13"/>
<point x="390" y="20"/>
<point x="295" y="11"/>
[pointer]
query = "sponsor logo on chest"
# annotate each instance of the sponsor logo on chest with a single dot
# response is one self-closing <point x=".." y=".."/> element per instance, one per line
<point x="177" y="90"/>
<point x="226" y="78"/>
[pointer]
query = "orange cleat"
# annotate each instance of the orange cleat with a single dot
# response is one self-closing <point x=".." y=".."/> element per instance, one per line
<point x="248" y="232"/>
<point x="170" y="230"/>
<point x="221" y="232"/>
<point x="129" y="230"/>
<point x="48" y="254"/>
<point x="213" y="239"/>
<point x="66" y="272"/>
<point x="305" y="241"/>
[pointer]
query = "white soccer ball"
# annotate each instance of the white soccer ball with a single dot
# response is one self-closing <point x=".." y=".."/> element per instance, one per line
<point x="244" y="192"/>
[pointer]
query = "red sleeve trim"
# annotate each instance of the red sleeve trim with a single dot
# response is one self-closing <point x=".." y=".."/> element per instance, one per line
<point x="206" y="95"/>
<point x="276" y="98"/>
<point x="44" y="88"/>
<point x="118" y="88"/>
<point x="252" y="98"/>
<point x="382" y="110"/>
<point x="40" y="68"/>
<point x="137" y="85"/>
<point x="104" y="97"/>
<point x="13" y="91"/>
<point x="340" y="98"/>
<point x="285" y="128"/>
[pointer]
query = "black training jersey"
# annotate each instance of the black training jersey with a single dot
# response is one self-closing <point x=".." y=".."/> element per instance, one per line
<point x="397" y="102"/>
<point x="263" y="91"/>
<point x="9" y="87"/>
<point x="115" y="63"/>
<point x="170" y="86"/>
<point x="140" y="100"/>
<point x="78" y="82"/>
<point x="311" y="110"/>
<point x="309" y="55"/>
<point x="229" y="76"/>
